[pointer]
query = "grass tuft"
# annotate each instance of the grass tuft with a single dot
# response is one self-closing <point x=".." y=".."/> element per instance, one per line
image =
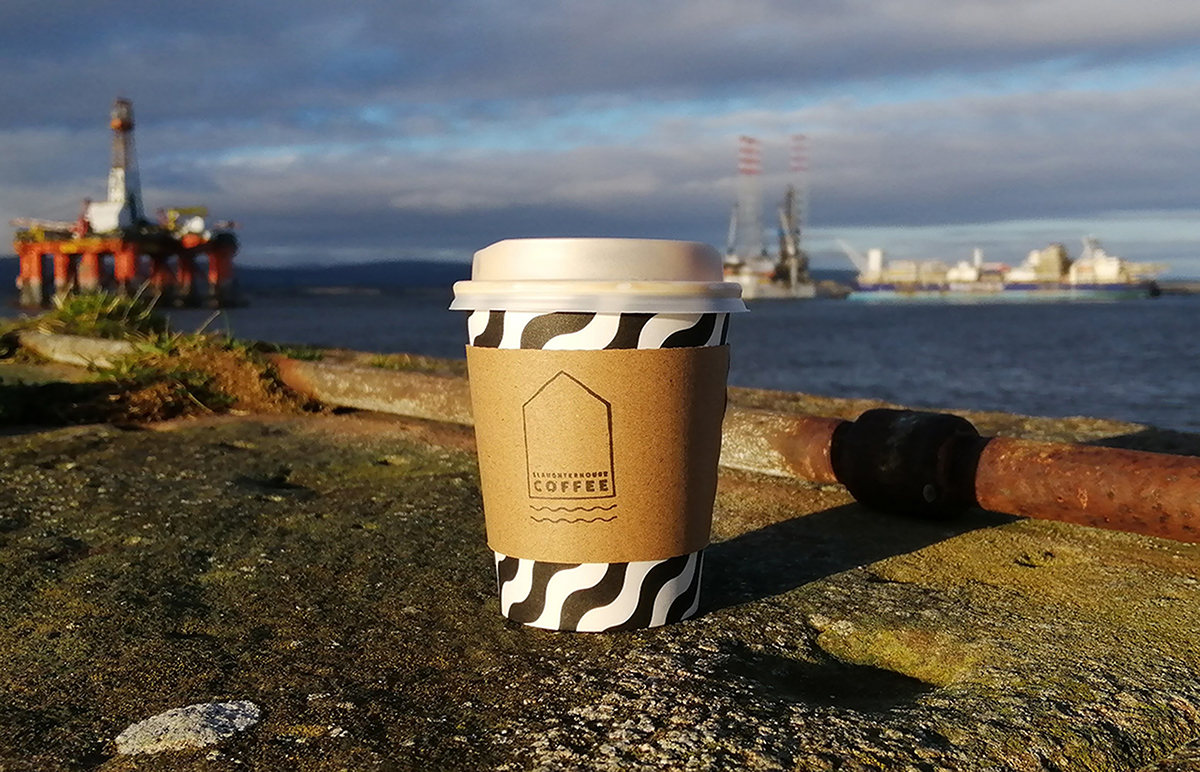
<point x="98" y="316"/>
<point x="170" y="374"/>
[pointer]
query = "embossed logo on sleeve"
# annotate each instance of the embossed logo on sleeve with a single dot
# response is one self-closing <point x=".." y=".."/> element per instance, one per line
<point x="568" y="446"/>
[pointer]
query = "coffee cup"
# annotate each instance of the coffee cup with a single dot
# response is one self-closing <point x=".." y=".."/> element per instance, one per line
<point x="597" y="371"/>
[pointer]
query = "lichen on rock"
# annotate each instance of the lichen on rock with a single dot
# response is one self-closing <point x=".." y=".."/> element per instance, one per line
<point x="188" y="728"/>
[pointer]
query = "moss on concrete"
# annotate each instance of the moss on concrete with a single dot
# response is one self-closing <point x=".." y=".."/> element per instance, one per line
<point x="415" y="363"/>
<point x="333" y="570"/>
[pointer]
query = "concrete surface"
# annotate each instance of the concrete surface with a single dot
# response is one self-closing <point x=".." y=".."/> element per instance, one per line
<point x="332" y="570"/>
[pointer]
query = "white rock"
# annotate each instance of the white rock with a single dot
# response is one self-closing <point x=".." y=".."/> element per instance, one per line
<point x="194" y="726"/>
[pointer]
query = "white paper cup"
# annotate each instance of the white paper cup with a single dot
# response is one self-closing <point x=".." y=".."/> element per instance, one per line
<point x="601" y="296"/>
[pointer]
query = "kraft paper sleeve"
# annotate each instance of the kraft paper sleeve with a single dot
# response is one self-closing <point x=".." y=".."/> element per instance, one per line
<point x="598" y="456"/>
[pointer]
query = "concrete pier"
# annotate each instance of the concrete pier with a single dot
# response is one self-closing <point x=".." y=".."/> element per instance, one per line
<point x="332" y="571"/>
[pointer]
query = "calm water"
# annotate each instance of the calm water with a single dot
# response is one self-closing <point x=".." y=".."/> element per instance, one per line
<point x="1132" y="360"/>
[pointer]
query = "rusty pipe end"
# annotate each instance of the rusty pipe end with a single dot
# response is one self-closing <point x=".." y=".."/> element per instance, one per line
<point x="805" y="446"/>
<point x="908" y="462"/>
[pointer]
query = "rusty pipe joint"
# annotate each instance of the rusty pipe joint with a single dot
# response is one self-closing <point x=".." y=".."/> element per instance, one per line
<point x="908" y="461"/>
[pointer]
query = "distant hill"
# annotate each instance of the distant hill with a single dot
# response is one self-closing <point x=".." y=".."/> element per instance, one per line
<point x="393" y="274"/>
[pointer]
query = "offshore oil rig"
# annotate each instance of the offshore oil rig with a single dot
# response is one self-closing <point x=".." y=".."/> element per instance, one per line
<point x="784" y="275"/>
<point x="113" y="247"/>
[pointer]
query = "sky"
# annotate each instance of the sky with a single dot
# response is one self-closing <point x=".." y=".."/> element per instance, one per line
<point x="383" y="129"/>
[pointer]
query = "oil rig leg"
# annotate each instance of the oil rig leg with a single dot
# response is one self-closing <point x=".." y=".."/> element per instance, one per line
<point x="29" y="282"/>
<point x="185" y="281"/>
<point x="107" y="272"/>
<point x="222" y="291"/>
<point x="162" y="279"/>
<point x="89" y="272"/>
<point x="64" y="276"/>
<point x="125" y="270"/>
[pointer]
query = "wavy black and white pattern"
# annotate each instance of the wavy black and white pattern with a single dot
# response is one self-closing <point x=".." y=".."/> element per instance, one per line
<point x="565" y="331"/>
<point x="599" y="597"/>
<point x="594" y="597"/>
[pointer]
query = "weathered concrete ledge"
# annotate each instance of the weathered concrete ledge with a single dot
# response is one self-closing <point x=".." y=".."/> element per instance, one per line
<point x="757" y="427"/>
<point x="76" y="349"/>
<point x="412" y="394"/>
<point x="331" y="571"/>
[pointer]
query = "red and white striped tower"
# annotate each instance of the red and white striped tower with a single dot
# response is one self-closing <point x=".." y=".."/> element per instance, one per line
<point x="799" y="172"/>
<point x="749" y="236"/>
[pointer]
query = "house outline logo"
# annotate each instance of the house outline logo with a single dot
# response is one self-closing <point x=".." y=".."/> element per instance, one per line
<point x="564" y="465"/>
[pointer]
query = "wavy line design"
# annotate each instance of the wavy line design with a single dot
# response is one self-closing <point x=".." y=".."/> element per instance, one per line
<point x="687" y="602"/>
<point x="629" y="331"/>
<point x="571" y="331"/>
<point x="663" y="326"/>
<point x="595" y="597"/>
<point x="596" y="334"/>
<point x="696" y="335"/>
<point x="574" y="509"/>
<point x="506" y="569"/>
<point x="600" y="595"/>
<point x="572" y="520"/>
<point x="488" y="334"/>
<point x="517" y="588"/>
<point x="531" y="606"/>
<point x="653" y="586"/>
<point x="562" y="585"/>
<point x="541" y="329"/>
<point x="616" y="614"/>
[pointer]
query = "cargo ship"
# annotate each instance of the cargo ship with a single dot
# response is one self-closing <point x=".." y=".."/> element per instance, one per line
<point x="1048" y="274"/>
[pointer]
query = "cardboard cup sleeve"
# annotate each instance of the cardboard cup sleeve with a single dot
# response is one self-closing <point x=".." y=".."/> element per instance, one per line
<point x="598" y="456"/>
<point x="598" y="470"/>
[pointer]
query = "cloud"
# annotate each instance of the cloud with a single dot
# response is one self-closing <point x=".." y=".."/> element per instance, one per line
<point x="226" y="60"/>
<point x="958" y="160"/>
<point x="436" y="127"/>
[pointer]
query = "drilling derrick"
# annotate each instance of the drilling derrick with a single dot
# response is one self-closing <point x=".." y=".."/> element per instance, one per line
<point x="792" y="266"/>
<point x="123" y="207"/>
<point x="114" y="247"/>
<point x="747" y="262"/>
<point x="746" y="230"/>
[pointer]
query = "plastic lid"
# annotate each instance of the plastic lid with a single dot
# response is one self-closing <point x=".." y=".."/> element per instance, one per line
<point x="602" y="275"/>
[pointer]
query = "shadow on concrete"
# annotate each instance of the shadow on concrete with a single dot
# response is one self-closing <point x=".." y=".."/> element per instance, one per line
<point x="827" y="683"/>
<point x="783" y="556"/>
<point x="26" y="407"/>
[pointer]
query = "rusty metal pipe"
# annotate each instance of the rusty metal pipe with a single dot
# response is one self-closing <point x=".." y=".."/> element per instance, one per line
<point x="1125" y="490"/>
<point x="938" y="465"/>
<point x="419" y="395"/>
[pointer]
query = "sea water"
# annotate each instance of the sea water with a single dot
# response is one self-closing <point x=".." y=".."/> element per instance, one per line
<point x="1135" y="360"/>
